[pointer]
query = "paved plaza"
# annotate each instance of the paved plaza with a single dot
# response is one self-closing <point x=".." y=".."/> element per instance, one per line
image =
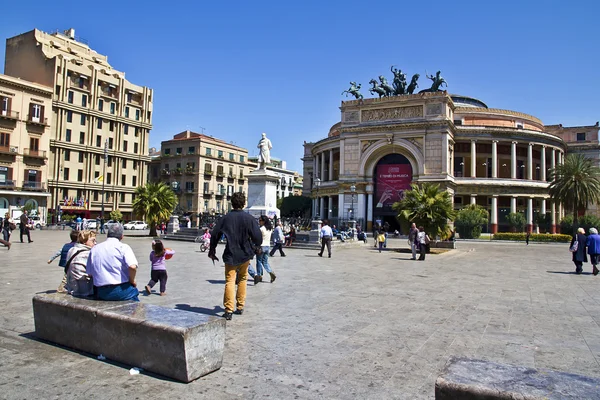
<point x="360" y="325"/>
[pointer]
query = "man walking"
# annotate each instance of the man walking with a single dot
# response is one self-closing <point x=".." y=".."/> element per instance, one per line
<point x="243" y="236"/>
<point x="326" y="234"/>
<point x="412" y="236"/>
<point x="113" y="267"/>
<point x="278" y="240"/>
<point x="24" y="227"/>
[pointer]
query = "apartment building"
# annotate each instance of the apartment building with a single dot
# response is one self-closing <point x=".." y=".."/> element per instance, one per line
<point x="25" y="119"/>
<point x="202" y="170"/>
<point x="288" y="179"/>
<point x="99" y="118"/>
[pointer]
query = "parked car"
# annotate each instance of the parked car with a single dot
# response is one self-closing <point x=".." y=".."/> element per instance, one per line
<point x="109" y="223"/>
<point x="37" y="222"/>
<point x="136" y="225"/>
<point x="90" y="224"/>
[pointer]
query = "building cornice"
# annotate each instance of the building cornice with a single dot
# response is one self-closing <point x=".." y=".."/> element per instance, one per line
<point x="496" y="111"/>
<point x="19" y="84"/>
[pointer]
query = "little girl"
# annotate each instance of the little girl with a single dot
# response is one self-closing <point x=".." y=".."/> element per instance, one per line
<point x="159" y="269"/>
<point x="381" y="239"/>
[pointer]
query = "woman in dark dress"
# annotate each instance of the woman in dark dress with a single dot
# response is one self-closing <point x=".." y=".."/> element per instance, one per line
<point x="579" y="256"/>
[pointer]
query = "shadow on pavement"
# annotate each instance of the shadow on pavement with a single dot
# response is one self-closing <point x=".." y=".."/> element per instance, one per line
<point x="217" y="310"/>
<point x="216" y="281"/>
<point x="568" y="272"/>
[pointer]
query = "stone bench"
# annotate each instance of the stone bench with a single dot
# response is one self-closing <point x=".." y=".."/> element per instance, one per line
<point x="468" y="379"/>
<point x="182" y="345"/>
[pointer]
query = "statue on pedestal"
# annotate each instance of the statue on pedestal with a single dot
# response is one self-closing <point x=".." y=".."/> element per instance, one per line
<point x="264" y="157"/>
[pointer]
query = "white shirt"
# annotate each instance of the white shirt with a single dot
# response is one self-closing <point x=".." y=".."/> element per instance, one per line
<point x="109" y="262"/>
<point x="326" y="231"/>
<point x="266" y="235"/>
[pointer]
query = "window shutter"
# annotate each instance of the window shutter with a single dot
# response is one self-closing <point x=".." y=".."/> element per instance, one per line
<point x="26" y="177"/>
<point x="42" y="114"/>
<point x="9" y="104"/>
<point x="10" y="170"/>
<point x="30" y="111"/>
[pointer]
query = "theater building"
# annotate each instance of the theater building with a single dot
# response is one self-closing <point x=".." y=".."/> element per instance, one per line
<point x="495" y="158"/>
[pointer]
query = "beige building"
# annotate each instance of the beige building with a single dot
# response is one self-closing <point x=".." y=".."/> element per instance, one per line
<point x="202" y="170"/>
<point x="25" y="119"/>
<point x="96" y="112"/>
<point x="495" y="158"/>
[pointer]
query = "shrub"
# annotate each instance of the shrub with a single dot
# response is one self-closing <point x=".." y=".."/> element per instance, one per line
<point x="535" y="237"/>
<point x="516" y="221"/>
<point x="469" y="220"/>
<point x="586" y="222"/>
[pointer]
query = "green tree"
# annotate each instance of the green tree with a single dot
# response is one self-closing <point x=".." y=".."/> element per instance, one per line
<point x="295" y="206"/>
<point x="428" y="206"/>
<point x="576" y="184"/>
<point x="155" y="202"/>
<point x="585" y="221"/>
<point x="516" y="221"/>
<point x="469" y="221"/>
<point x="543" y="221"/>
<point x="116" y="215"/>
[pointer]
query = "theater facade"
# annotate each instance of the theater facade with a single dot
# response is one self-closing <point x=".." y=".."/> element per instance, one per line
<point x="498" y="159"/>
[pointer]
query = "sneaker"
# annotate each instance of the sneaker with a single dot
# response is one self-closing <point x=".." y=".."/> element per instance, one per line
<point x="239" y="311"/>
<point x="147" y="289"/>
<point x="228" y="316"/>
<point x="320" y="255"/>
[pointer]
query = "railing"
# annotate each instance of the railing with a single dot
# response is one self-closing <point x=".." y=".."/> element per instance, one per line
<point x="189" y="191"/>
<point x="241" y="177"/>
<point x="8" y="150"/>
<point x="220" y="174"/>
<point x="208" y="172"/>
<point x="108" y="93"/>
<point x="74" y="83"/>
<point x="190" y="171"/>
<point x="231" y="176"/>
<point x="7" y="184"/>
<point x="165" y="172"/>
<point x="9" y="114"/>
<point x="209" y="192"/>
<point x="221" y="192"/>
<point x="34" y="153"/>
<point x="35" y="186"/>
<point x="38" y="121"/>
<point x="178" y="171"/>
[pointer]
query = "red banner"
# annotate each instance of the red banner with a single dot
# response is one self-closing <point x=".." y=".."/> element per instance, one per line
<point x="391" y="182"/>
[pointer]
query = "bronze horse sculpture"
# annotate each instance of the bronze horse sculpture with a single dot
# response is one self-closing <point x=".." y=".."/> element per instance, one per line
<point x="413" y="84"/>
<point x="389" y="90"/>
<point x="437" y="80"/>
<point x="354" y="91"/>
<point x="376" y="88"/>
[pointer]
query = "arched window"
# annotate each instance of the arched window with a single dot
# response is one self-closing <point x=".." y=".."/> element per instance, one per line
<point x="3" y="203"/>
<point x="33" y="203"/>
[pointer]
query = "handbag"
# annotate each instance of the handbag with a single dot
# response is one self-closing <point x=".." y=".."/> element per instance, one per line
<point x="12" y="226"/>
<point x="574" y="247"/>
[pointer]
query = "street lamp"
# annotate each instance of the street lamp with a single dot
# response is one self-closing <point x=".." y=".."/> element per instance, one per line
<point x="353" y="221"/>
<point x="352" y="190"/>
<point x="317" y="184"/>
<point x="104" y="180"/>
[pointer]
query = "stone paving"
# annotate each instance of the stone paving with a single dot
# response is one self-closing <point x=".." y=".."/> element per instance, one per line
<point x="359" y="325"/>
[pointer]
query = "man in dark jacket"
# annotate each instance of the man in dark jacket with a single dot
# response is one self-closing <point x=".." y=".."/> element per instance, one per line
<point x="243" y="236"/>
<point x="24" y="227"/>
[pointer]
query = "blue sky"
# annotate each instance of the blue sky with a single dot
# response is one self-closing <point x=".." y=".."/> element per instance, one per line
<point x="239" y="68"/>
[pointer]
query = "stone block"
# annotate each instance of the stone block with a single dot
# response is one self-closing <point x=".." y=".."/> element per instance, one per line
<point x="470" y="379"/>
<point x="178" y="344"/>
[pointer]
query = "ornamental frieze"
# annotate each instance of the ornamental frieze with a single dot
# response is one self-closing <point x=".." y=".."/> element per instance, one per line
<point x="385" y="114"/>
<point x="500" y="190"/>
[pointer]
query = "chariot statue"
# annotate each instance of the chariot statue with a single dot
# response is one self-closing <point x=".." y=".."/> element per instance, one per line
<point x="437" y="80"/>
<point x="413" y="84"/>
<point x="399" y="81"/>
<point x="389" y="90"/>
<point x="376" y="88"/>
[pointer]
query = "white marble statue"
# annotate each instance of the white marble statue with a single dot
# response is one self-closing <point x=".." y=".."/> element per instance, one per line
<point x="264" y="158"/>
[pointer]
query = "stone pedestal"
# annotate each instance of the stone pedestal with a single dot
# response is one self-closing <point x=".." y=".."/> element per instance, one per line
<point x="262" y="193"/>
<point x="353" y="226"/>
<point x="173" y="225"/>
<point x="315" y="229"/>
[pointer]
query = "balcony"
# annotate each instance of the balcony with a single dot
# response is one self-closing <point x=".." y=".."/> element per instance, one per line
<point x="178" y="171"/>
<point x="231" y="176"/>
<point x="208" y="172"/>
<point x="220" y="174"/>
<point x="34" y="186"/>
<point x="241" y="178"/>
<point x="208" y="193"/>
<point x="220" y="193"/>
<point x="13" y="151"/>
<point x="37" y="121"/>
<point x="221" y="157"/>
<point x="7" y="114"/>
<point x="190" y="171"/>
<point x="74" y="82"/>
<point x="189" y="191"/>
<point x="165" y="172"/>
<point x="109" y="92"/>
<point x="7" y="184"/>
<point x="35" y="153"/>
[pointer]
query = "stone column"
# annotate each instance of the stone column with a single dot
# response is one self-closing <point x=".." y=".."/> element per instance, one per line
<point x="553" y="217"/>
<point x="360" y="207"/>
<point x="323" y="178"/>
<point x="513" y="160"/>
<point x="369" y="211"/>
<point x="315" y="167"/>
<point x="494" y="158"/>
<point x="329" y="206"/>
<point x="494" y="222"/>
<point x="321" y="207"/>
<point x="445" y="155"/>
<point x="530" y="214"/>
<point x="543" y="165"/>
<point x="341" y="205"/>
<point x="473" y="158"/>
<point x="542" y="211"/>
<point x="553" y="159"/>
<point x="473" y="199"/>
<point x="314" y="207"/>
<point x="342" y="161"/>
<point x="513" y="204"/>
<point x="331" y="164"/>
<point x="530" y="161"/>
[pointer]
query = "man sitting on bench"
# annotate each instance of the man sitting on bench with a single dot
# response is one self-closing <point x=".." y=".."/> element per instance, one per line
<point x="113" y="266"/>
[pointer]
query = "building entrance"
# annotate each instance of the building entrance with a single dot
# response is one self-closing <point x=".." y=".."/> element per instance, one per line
<point x="393" y="175"/>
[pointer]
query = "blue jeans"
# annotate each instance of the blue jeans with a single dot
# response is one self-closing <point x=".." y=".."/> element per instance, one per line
<point x="251" y="270"/>
<point x="124" y="291"/>
<point x="262" y="261"/>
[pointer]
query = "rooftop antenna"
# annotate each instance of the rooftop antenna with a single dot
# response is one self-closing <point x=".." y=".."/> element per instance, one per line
<point x="202" y="129"/>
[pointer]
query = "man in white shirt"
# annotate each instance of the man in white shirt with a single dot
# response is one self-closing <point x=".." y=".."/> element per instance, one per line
<point x="326" y="234"/>
<point x="113" y="266"/>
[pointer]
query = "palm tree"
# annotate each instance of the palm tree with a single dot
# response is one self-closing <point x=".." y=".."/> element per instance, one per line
<point x="155" y="202"/>
<point x="576" y="184"/>
<point x="427" y="206"/>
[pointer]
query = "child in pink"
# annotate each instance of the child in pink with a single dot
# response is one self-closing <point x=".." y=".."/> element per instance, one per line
<point x="159" y="269"/>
